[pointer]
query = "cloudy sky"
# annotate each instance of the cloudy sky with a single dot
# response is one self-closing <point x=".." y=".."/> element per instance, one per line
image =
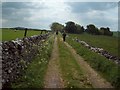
<point x="41" y="14"/>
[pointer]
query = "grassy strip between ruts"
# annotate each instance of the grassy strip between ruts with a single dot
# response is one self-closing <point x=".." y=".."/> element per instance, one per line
<point x="105" y="67"/>
<point x="72" y="74"/>
<point x="33" y="76"/>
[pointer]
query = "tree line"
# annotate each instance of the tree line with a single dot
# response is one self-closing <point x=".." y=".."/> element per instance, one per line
<point x="72" y="27"/>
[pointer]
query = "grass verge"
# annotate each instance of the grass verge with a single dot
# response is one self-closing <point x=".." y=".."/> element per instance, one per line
<point x="106" y="68"/>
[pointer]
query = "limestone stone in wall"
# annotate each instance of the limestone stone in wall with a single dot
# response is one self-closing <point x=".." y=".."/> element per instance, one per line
<point x="17" y="54"/>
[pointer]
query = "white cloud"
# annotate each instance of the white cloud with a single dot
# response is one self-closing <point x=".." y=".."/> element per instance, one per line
<point x="42" y="14"/>
<point x="60" y="0"/>
<point x="101" y="18"/>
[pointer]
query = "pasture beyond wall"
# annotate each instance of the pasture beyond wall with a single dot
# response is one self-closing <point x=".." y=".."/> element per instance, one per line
<point x="17" y="54"/>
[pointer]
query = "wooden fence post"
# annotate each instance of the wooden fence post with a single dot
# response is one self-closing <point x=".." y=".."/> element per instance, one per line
<point x="25" y="32"/>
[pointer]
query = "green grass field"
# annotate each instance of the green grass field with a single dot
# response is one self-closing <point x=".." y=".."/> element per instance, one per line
<point x="0" y="34"/>
<point x="9" y="34"/>
<point x="108" y="43"/>
<point x="116" y="34"/>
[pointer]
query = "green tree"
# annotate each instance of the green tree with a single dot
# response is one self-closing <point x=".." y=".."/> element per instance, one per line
<point x="106" y="31"/>
<point x="55" y="26"/>
<point x="70" y="27"/>
<point x="92" y="29"/>
<point x="80" y="29"/>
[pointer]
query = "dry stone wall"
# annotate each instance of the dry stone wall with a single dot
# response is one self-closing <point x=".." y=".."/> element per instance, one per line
<point x="100" y="51"/>
<point x="17" y="54"/>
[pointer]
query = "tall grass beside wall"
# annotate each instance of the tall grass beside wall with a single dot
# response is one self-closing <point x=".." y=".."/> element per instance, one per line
<point x="105" y="67"/>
